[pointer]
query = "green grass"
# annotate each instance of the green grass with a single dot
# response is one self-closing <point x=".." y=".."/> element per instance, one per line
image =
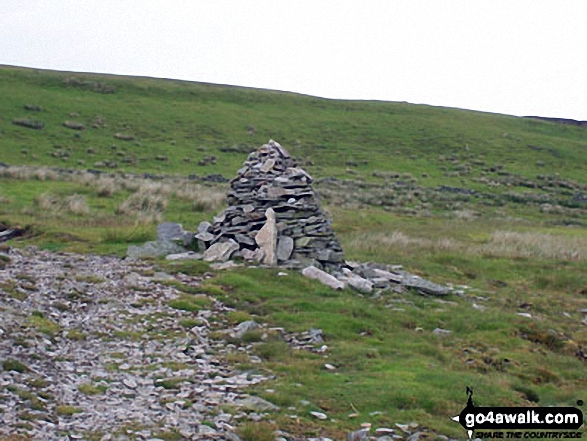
<point x="64" y="410"/>
<point x="257" y="432"/>
<point x="519" y="243"/>
<point x="92" y="389"/>
<point x="182" y="120"/>
<point x="191" y="303"/>
<point x="44" y="325"/>
<point x="170" y="383"/>
<point x="14" y="365"/>
<point x="389" y="361"/>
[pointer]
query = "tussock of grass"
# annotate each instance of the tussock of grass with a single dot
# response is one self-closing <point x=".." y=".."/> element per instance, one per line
<point x="252" y="336"/>
<point x="106" y="187"/>
<point x="258" y="431"/>
<point x="535" y="245"/>
<point x="273" y="349"/>
<point x="397" y="239"/>
<point x="76" y="335"/>
<point x="501" y="244"/>
<point x="202" y="198"/>
<point x="170" y="383"/>
<point x="92" y="389"/>
<point x="132" y="234"/>
<point x="145" y="203"/>
<point x="191" y="303"/>
<point x="44" y="325"/>
<point x="65" y="410"/>
<point x="14" y="365"/>
<point x="75" y="204"/>
<point x="24" y="172"/>
<point x="236" y="317"/>
<point x="48" y="202"/>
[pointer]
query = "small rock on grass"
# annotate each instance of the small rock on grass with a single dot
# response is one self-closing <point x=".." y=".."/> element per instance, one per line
<point x="319" y="415"/>
<point x="441" y="332"/>
<point x="243" y="327"/>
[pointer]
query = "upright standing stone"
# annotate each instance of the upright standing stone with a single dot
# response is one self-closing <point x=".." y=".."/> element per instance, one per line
<point x="266" y="238"/>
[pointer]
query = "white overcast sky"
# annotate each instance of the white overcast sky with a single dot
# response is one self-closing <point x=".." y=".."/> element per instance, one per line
<point x="520" y="57"/>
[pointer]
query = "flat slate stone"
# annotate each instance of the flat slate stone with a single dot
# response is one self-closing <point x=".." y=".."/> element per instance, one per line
<point x="220" y="251"/>
<point x="205" y="236"/>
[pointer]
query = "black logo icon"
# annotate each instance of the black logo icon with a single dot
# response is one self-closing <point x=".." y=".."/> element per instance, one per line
<point x="503" y="418"/>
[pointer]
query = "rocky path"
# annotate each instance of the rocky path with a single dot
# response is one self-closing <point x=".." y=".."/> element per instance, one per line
<point x="92" y="349"/>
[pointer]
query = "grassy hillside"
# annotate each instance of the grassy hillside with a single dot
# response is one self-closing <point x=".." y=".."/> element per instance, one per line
<point x="493" y="202"/>
<point x="190" y="121"/>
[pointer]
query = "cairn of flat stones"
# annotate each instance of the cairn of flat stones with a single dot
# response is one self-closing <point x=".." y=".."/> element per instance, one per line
<point x="274" y="217"/>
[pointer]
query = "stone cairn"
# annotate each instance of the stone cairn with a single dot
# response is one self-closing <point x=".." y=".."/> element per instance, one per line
<point x="274" y="217"/>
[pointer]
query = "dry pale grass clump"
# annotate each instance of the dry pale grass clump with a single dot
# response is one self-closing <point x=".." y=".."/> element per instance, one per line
<point x="48" y="202"/>
<point x="155" y="187"/>
<point x="397" y="239"/>
<point x="148" y="218"/>
<point x="535" y="245"/>
<point x="202" y="198"/>
<point x="17" y="172"/>
<point x="85" y="178"/>
<point x="106" y="186"/>
<point x="77" y="204"/>
<point x="27" y="172"/>
<point x="147" y="206"/>
<point x="46" y="174"/>
<point x="51" y="203"/>
<point x="501" y="244"/>
<point x="466" y="215"/>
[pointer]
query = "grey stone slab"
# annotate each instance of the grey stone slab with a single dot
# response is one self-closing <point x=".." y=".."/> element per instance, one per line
<point x="285" y="245"/>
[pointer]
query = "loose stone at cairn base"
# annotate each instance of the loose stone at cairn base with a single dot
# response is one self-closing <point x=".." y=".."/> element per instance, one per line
<point x="221" y="251"/>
